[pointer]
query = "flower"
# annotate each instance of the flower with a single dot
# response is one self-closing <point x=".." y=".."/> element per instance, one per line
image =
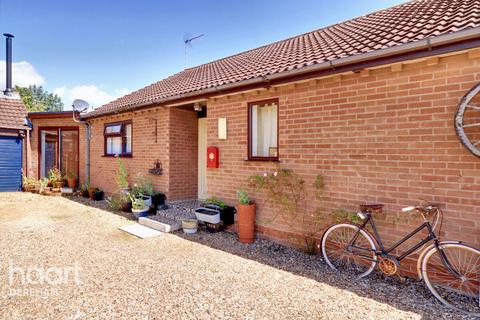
<point x="265" y="174"/>
<point x="275" y="173"/>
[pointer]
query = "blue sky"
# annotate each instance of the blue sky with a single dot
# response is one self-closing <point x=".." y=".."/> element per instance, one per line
<point x="98" y="50"/>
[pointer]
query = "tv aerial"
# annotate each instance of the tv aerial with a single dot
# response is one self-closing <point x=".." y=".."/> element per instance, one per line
<point x="187" y="41"/>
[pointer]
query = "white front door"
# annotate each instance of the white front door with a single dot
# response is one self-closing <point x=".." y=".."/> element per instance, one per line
<point x="202" y="158"/>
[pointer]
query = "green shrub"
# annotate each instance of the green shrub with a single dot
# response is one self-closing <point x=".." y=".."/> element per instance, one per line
<point x="287" y="190"/>
<point x="142" y="186"/>
<point x="217" y="202"/>
<point x="243" y="197"/>
<point x="122" y="175"/>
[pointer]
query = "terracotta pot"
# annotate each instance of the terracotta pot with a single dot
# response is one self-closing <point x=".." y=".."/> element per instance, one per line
<point x="33" y="187"/>
<point x="59" y="184"/>
<point x="246" y="223"/>
<point x="71" y="182"/>
<point x="90" y="192"/>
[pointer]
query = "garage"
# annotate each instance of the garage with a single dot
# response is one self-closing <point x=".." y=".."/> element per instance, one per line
<point x="10" y="163"/>
<point x="13" y="130"/>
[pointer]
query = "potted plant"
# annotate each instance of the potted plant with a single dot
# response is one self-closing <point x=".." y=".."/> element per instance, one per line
<point x="84" y="190"/>
<point x="246" y="218"/>
<point x="91" y="191"/>
<point x="143" y="189"/>
<point x="30" y="184"/>
<point x="189" y="226"/>
<point x="43" y="186"/>
<point x="71" y="179"/>
<point x="97" y="194"/>
<point x="126" y="204"/>
<point x="55" y="177"/>
<point x="139" y="208"/>
<point x="120" y="202"/>
<point x="158" y="200"/>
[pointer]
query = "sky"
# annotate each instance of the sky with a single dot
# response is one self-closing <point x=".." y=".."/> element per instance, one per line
<point x="100" y="50"/>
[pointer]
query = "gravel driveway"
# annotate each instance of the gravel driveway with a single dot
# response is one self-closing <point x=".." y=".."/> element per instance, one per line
<point x="76" y="264"/>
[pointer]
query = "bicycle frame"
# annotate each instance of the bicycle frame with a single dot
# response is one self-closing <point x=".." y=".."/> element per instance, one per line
<point x="385" y="251"/>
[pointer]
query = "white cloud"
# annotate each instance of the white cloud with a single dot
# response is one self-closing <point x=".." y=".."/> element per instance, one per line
<point x="90" y="93"/>
<point x="23" y="74"/>
<point x="60" y="91"/>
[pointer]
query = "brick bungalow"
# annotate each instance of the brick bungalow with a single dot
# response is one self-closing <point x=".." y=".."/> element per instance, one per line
<point x="368" y="103"/>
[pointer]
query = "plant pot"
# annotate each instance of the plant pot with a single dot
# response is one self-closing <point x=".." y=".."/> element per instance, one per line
<point x="127" y="206"/>
<point x="207" y="215"/>
<point x="158" y="199"/>
<point x="33" y="188"/>
<point x="147" y="200"/>
<point x="139" y="213"/>
<point x="246" y="223"/>
<point x="189" y="226"/>
<point x="72" y="182"/>
<point x="85" y="194"/>
<point x="58" y="184"/>
<point x="90" y="192"/>
<point x="97" y="196"/>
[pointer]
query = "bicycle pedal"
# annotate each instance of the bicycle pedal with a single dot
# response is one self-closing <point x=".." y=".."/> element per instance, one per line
<point x="401" y="279"/>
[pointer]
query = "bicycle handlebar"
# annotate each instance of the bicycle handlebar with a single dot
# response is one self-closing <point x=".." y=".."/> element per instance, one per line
<point x="424" y="209"/>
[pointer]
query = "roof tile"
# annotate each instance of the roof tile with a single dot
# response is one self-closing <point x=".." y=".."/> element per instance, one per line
<point x="12" y="113"/>
<point x="408" y="22"/>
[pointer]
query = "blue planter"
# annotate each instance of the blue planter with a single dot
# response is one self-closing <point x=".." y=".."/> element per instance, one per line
<point x="140" y="213"/>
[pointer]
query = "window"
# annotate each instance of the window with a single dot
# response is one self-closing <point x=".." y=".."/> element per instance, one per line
<point x="118" y="139"/>
<point x="263" y="130"/>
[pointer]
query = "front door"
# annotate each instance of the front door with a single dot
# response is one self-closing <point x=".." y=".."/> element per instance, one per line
<point x="202" y="158"/>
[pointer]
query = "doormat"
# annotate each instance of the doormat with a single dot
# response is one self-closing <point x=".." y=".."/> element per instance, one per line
<point x="141" y="231"/>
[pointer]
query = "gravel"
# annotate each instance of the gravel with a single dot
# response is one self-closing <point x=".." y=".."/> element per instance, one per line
<point x="203" y="276"/>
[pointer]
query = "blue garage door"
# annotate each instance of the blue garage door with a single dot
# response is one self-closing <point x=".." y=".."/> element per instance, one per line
<point x="10" y="163"/>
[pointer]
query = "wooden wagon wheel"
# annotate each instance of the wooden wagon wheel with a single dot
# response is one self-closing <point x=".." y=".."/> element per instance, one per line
<point x="467" y="120"/>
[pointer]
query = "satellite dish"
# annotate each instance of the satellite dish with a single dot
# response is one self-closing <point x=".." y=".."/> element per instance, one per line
<point x="80" y="105"/>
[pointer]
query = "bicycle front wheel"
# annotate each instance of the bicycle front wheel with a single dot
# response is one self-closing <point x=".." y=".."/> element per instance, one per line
<point x="459" y="291"/>
<point x="359" y="258"/>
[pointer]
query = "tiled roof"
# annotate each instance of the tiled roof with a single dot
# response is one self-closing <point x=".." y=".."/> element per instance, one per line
<point x="12" y="113"/>
<point x="405" y="23"/>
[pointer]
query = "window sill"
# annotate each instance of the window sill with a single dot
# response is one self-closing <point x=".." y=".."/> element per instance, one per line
<point x="119" y="155"/>
<point x="262" y="159"/>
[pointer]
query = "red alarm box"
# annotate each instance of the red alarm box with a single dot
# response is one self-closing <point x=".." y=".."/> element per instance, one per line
<point x="212" y="157"/>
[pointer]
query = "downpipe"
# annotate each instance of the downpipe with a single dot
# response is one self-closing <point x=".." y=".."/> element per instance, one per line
<point x="87" y="146"/>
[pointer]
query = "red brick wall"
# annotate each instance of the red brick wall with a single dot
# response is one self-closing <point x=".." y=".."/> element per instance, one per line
<point x="32" y="159"/>
<point x="377" y="137"/>
<point x="146" y="148"/>
<point x="174" y="146"/>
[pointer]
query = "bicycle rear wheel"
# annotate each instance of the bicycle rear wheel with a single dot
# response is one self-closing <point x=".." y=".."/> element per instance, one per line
<point x="360" y="259"/>
<point x="461" y="293"/>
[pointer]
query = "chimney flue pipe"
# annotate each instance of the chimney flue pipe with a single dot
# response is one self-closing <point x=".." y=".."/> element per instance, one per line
<point x="8" y="89"/>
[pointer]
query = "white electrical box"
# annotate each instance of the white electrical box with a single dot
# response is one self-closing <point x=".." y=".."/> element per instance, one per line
<point x="222" y="128"/>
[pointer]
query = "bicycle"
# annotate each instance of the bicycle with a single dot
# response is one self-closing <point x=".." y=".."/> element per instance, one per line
<point x="450" y="269"/>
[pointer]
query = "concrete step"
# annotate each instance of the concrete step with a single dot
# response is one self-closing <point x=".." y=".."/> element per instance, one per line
<point x="141" y="231"/>
<point x="160" y="224"/>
